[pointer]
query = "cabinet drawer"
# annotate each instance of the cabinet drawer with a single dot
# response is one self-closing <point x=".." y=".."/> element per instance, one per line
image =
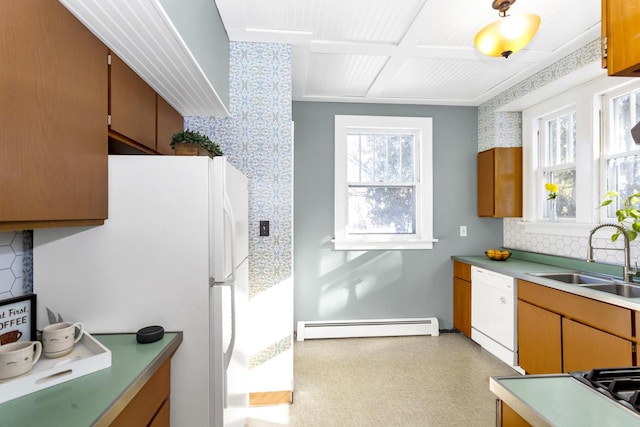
<point x="462" y="270"/>
<point x="144" y="406"/>
<point x="606" y="317"/>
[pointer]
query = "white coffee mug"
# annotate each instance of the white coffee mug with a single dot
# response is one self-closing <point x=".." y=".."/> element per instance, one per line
<point x="18" y="358"/>
<point x="58" y="338"/>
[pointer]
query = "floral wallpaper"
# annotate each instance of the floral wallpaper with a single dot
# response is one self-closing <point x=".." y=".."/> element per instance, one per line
<point x="258" y="139"/>
<point x="504" y="129"/>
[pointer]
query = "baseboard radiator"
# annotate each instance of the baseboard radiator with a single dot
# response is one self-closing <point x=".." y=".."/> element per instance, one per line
<point x="367" y="328"/>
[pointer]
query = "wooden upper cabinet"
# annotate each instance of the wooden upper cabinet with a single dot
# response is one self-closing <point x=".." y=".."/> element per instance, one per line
<point x="500" y="182"/>
<point x="53" y="115"/>
<point x="132" y="105"/>
<point x="621" y="37"/>
<point x="169" y="122"/>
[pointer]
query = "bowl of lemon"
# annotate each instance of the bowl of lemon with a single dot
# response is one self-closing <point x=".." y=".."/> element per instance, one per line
<point x="498" y="254"/>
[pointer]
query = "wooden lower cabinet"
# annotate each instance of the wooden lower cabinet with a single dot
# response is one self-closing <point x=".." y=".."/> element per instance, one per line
<point x="462" y="297"/>
<point x="539" y="339"/>
<point x="150" y="406"/>
<point x="462" y="306"/>
<point x="562" y="332"/>
<point x="507" y="417"/>
<point x="585" y="348"/>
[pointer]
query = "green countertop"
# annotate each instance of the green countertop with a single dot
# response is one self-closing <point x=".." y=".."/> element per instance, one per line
<point x="559" y="400"/>
<point x="96" y="398"/>
<point x="521" y="264"/>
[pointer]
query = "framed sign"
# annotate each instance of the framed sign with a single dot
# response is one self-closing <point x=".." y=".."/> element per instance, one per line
<point x="18" y="319"/>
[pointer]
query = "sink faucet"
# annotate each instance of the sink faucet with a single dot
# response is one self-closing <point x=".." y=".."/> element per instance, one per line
<point x="628" y="272"/>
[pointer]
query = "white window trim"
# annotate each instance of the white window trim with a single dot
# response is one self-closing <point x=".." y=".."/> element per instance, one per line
<point x="423" y="239"/>
<point x="587" y="100"/>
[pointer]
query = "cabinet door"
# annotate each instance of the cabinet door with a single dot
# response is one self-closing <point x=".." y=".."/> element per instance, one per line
<point x="585" y="348"/>
<point x="500" y="183"/>
<point x="462" y="306"/>
<point x="169" y="122"/>
<point x="510" y="418"/>
<point x="151" y="398"/>
<point x="621" y="29"/>
<point x="53" y="112"/>
<point x="132" y="105"/>
<point x="539" y="340"/>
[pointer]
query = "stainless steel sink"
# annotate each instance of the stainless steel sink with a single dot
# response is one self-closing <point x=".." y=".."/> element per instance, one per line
<point x="575" y="278"/>
<point x="621" y="289"/>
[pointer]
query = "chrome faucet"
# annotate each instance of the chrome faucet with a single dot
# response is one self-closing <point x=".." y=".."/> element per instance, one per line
<point x="628" y="272"/>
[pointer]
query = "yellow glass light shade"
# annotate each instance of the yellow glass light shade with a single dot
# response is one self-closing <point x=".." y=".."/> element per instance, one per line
<point x="507" y="35"/>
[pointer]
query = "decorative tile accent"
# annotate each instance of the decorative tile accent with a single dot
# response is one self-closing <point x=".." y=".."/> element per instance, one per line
<point x="15" y="264"/>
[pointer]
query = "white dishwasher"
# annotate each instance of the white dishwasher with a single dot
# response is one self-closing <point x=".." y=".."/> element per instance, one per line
<point x="493" y="314"/>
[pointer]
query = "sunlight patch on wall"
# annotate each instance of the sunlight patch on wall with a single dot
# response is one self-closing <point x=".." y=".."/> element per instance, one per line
<point x="357" y="278"/>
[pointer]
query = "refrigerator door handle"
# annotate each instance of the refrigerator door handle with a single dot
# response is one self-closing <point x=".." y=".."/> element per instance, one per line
<point x="232" y="341"/>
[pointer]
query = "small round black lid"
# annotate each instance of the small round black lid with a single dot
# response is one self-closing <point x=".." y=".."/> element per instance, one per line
<point x="150" y="334"/>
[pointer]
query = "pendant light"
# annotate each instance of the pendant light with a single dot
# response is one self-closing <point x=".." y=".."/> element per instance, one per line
<point x="508" y="34"/>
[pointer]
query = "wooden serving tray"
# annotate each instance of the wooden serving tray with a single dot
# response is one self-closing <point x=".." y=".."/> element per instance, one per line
<point x="88" y="356"/>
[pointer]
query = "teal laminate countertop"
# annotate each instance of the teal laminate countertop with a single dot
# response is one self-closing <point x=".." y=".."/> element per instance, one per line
<point x="559" y="400"/>
<point x="521" y="264"/>
<point x="97" y="398"/>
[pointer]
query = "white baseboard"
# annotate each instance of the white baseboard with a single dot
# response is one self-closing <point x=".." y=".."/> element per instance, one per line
<point x="367" y="328"/>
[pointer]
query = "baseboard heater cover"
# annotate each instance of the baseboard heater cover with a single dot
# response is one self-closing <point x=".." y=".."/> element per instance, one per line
<point x="367" y="328"/>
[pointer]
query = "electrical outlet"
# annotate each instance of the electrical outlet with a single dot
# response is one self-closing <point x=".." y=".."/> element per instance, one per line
<point x="264" y="228"/>
<point x="463" y="231"/>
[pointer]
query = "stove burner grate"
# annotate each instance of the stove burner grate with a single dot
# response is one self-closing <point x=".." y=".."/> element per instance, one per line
<point x="619" y="384"/>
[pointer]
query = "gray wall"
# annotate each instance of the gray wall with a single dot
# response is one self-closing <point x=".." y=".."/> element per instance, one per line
<point x="346" y="285"/>
<point x="200" y="25"/>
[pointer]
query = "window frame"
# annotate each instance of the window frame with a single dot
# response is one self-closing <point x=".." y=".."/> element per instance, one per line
<point x="607" y="130"/>
<point x="543" y="168"/>
<point x="423" y="237"/>
<point x="588" y="100"/>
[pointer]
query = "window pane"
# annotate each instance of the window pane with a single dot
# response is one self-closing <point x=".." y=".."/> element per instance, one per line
<point x="353" y="158"/>
<point x="561" y="139"/>
<point x="566" y="200"/>
<point x="620" y="137"/>
<point x="623" y="176"/>
<point x="382" y="158"/>
<point x="408" y="159"/>
<point x="381" y="210"/>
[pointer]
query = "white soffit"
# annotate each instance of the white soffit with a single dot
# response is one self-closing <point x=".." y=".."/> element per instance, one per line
<point x="142" y="35"/>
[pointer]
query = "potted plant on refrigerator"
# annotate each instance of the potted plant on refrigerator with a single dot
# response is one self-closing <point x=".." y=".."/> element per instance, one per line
<point x="193" y="143"/>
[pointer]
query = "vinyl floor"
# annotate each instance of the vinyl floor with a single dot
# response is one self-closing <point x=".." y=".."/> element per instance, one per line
<point x="396" y="381"/>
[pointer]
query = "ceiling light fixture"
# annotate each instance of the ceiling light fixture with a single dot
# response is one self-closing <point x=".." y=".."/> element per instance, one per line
<point x="508" y="34"/>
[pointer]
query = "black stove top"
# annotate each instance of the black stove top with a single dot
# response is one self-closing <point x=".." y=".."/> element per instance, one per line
<point x="619" y="384"/>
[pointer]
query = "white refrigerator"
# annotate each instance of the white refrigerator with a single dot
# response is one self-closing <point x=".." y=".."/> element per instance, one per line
<point x="174" y="253"/>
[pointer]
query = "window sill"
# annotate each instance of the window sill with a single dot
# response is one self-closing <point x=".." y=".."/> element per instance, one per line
<point x="561" y="228"/>
<point x="347" y="245"/>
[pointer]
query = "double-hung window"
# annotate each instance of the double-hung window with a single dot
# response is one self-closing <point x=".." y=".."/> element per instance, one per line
<point x="558" y="162"/>
<point x="383" y="182"/>
<point x="621" y="156"/>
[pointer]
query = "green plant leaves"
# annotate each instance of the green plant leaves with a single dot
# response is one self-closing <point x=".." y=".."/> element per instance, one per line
<point x="195" y="137"/>
<point x="628" y="215"/>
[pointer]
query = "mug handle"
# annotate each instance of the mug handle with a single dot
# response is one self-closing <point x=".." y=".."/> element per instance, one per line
<point x="38" y="352"/>
<point x="80" y="328"/>
<point x="19" y="335"/>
